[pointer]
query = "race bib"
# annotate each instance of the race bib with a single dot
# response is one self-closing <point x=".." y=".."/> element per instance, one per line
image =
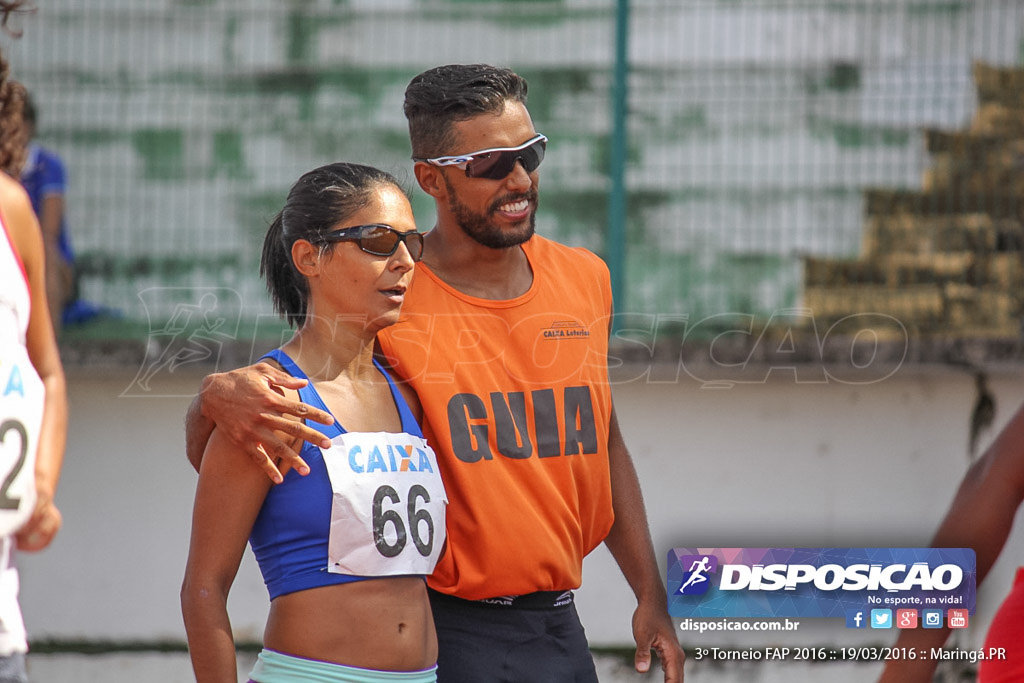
<point x="387" y="512"/>
<point x="21" y="414"/>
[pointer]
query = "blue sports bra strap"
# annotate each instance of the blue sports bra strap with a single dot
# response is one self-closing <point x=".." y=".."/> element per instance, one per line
<point x="286" y="362"/>
<point x="409" y="423"/>
<point x="307" y="394"/>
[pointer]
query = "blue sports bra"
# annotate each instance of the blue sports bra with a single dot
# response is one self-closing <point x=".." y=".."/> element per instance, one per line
<point x="290" y="535"/>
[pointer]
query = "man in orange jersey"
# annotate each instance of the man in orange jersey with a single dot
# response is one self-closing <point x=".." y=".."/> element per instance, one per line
<point x="504" y="337"/>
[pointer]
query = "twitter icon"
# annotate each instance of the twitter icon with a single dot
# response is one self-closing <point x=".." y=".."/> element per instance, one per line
<point x="881" y="618"/>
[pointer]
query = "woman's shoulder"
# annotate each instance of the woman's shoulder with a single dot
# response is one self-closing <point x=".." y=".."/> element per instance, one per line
<point x="20" y="220"/>
<point x="13" y="198"/>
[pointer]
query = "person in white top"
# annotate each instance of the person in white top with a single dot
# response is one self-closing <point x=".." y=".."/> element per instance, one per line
<point x="33" y="396"/>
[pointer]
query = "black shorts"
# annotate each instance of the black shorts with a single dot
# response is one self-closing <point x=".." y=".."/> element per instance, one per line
<point x="528" y="642"/>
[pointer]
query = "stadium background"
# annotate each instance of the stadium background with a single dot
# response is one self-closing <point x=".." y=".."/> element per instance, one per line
<point x="811" y="209"/>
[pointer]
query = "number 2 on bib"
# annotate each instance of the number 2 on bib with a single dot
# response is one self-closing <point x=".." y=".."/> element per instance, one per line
<point x="7" y="500"/>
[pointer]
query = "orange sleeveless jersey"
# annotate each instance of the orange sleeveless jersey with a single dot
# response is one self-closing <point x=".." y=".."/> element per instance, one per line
<point x="517" y="406"/>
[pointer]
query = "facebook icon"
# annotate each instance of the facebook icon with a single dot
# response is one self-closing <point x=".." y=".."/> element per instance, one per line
<point x="855" y="618"/>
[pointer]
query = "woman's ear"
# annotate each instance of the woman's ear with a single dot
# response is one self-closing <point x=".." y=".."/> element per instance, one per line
<point x="306" y="257"/>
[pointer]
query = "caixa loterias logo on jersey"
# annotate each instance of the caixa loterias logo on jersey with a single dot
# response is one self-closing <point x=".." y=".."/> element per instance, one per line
<point x="816" y="582"/>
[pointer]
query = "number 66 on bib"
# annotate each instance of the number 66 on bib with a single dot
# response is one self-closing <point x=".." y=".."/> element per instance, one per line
<point x="388" y="508"/>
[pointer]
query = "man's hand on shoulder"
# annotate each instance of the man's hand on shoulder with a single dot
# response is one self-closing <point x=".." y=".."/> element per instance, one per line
<point x="250" y="407"/>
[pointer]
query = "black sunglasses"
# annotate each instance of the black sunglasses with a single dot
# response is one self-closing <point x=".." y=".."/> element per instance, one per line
<point x="498" y="162"/>
<point x="379" y="239"/>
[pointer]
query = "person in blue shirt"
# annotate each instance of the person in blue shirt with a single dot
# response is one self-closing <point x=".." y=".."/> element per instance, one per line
<point x="45" y="179"/>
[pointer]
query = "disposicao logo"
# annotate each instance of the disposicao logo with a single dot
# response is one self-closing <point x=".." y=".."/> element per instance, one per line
<point x="817" y="582"/>
<point x="696" y="580"/>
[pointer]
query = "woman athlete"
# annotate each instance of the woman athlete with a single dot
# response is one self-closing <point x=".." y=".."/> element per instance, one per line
<point x="33" y="393"/>
<point x="343" y="550"/>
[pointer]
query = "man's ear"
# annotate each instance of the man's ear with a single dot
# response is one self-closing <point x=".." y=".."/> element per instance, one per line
<point x="306" y="257"/>
<point x="430" y="180"/>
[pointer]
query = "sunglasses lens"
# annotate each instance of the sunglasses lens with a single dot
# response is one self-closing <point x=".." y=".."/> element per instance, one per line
<point x="383" y="241"/>
<point x="378" y="240"/>
<point x="533" y="155"/>
<point x="497" y="165"/>
<point x="414" y="243"/>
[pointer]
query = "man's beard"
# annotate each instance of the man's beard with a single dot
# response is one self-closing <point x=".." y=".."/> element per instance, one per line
<point x="483" y="231"/>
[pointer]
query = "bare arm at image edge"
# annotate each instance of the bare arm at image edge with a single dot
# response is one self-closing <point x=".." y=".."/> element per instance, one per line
<point x="979" y="517"/>
<point x="41" y="343"/>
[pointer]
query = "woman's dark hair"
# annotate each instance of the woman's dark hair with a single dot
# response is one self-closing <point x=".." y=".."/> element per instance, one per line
<point x="13" y="130"/>
<point x="317" y="202"/>
<point x="444" y="95"/>
<point x="29" y="112"/>
<point x="13" y="134"/>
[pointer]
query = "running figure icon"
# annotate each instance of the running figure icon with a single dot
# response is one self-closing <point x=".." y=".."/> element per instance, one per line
<point x="697" y="571"/>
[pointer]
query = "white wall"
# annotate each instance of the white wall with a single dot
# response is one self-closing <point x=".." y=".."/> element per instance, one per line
<point x="770" y="464"/>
